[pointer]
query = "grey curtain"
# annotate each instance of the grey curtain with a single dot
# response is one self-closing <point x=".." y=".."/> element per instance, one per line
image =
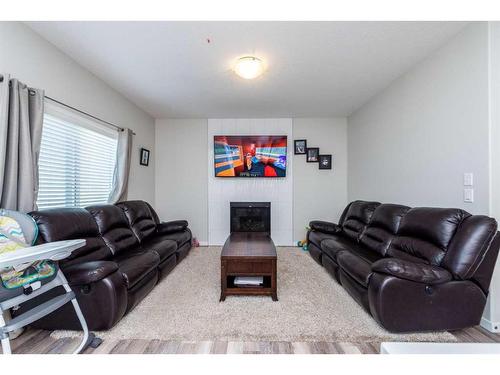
<point x="21" y="120"/>
<point x="122" y="168"/>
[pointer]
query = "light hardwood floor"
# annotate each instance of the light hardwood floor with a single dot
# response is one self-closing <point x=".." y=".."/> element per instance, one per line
<point x="37" y="341"/>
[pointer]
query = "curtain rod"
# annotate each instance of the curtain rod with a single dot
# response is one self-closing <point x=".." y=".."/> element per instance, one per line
<point x="119" y="128"/>
<point x="80" y="111"/>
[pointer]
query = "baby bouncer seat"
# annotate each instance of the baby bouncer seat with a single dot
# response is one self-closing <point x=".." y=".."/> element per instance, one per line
<point x="28" y="271"/>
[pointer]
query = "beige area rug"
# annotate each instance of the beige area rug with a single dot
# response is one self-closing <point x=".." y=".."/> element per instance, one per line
<point x="312" y="307"/>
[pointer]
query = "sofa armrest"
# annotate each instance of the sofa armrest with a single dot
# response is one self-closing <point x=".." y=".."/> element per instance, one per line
<point x="89" y="272"/>
<point x="324" y="226"/>
<point x="418" y="272"/>
<point x="172" y="226"/>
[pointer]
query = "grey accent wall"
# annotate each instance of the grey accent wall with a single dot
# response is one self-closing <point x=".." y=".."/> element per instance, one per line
<point x="412" y="142"/>
<point x="38" y="63"/>
<point x="181" y="173"/>
<point x="319" y="194"/>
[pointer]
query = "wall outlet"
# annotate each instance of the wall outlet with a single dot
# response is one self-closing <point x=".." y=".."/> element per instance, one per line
<point x="468" y="195"/>
<point x="468" y="179"/>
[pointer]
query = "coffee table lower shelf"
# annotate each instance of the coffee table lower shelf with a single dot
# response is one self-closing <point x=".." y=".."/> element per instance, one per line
<point x="267" y="289"/>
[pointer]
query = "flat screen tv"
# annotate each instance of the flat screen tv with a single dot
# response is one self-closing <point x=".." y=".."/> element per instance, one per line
<point x="250" y="155"/>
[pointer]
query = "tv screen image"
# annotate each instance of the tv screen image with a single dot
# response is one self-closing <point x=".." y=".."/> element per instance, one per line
<point x="250" y="156"/>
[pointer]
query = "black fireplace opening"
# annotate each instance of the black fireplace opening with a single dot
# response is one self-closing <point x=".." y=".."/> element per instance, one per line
<point x="251" y="217"/>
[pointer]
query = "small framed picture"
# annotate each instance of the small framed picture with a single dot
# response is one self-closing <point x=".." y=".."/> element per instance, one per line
<point x="300" y="146"/>
<point x="325" y="161"/>
<point x="144" y="157"/>
<point x="312" y="155"/>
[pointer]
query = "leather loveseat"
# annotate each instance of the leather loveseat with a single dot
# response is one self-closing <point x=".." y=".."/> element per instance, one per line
<point x="128" y="251"/>
<point x="412" y="269"/>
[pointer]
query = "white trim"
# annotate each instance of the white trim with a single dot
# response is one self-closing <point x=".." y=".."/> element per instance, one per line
<point x="204" y="243"/>
<point x="489" y="325"/>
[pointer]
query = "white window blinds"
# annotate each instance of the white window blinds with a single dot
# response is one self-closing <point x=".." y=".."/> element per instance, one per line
<point x="77" y="160"/>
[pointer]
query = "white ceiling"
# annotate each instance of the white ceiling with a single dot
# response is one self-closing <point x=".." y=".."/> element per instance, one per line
<point x="314" y="68"/>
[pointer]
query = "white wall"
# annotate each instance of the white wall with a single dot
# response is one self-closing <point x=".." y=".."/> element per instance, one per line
<point x="412" y="142"/>
<point x="36" y="62"/>
<point x="181" y="173"/>
<point x="319" y="194"/>
<point x="181" y="189"/>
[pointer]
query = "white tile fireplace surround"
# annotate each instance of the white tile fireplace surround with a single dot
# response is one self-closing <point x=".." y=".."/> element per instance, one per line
<point x="278" y="191"/>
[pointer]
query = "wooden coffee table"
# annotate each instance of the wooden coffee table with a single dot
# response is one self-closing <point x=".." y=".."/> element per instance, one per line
<point x="248" y="254"/>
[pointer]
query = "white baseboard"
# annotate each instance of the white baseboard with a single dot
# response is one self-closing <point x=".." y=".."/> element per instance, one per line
<point x="203" y="243"/>
<point x="489" y="325"/>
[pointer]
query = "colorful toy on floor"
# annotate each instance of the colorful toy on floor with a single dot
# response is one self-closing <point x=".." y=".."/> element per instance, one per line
<point x="303" y="243"/>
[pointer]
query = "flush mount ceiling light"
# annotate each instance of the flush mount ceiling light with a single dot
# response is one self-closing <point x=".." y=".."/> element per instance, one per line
<point x="249" y="67"/>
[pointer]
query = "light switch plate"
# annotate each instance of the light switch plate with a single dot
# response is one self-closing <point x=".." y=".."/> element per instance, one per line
<point x="468" y="195"/>
<point x="468" y="179"/>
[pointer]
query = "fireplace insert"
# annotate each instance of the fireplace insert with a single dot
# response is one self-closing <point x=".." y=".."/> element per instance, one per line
<point x="251" y="217"/>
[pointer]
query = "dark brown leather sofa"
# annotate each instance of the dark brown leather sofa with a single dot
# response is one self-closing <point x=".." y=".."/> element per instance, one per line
<point x="412" y="269"/>
<point x="128" y="251"/>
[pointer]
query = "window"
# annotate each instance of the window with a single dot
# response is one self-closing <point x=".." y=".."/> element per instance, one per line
<point x="77" y="160"/>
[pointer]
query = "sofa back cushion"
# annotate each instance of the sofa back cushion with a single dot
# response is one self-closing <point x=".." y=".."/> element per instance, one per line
<point x="425" y="234"/>
<point x="469" y="246"/>
<point x="139" y="217"/>
<point x="59" y="224"/>
<point x="114" y="228"/>
<point x="356" y="218"/>
<point x="383" y="226"/>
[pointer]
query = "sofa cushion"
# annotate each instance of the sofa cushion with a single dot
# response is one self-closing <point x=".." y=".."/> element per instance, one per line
<point x="415" y="250"/>
<point x="139" y="217"/>
<point x="114" y="228"/>
<point x="61" y="224"/>
<point x="318" y="237"/>
<point x="163" y="247"/>
<point x="365" y="253"/>
<point x="435" y="225"/>
<point x="357" y="217"/>
<point x="382" y="227"/>
<point x="356" y="267"/>
<point x="424" y="234"/>
<point x="332" y="245"/>
<point x="137" y="265"/>
<point x="180" y="237"/>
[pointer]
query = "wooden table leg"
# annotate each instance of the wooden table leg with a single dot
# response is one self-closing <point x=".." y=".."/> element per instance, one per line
<point x="223" y="281"/>
<point x="274" y="285"/>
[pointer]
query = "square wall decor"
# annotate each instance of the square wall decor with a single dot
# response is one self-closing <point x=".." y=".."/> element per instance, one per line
<point x="325" y="161"/>
<point x="299" y="146"/>
<point x="312" y="155"/>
